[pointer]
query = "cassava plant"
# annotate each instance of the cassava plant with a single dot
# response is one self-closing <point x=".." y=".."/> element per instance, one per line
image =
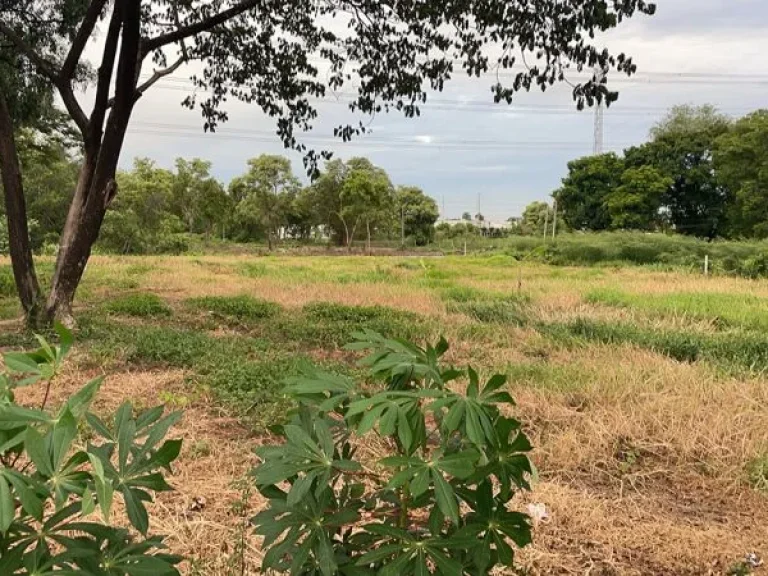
<point x="437" y="503"/>
<point x="61" y="471"/>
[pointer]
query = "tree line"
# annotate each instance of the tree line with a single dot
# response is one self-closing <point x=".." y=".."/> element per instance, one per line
<point x="157" y="208"/>
<point x="700" y="174"/>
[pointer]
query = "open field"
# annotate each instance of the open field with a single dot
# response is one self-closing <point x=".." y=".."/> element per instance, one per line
<point x="644" y="392"/>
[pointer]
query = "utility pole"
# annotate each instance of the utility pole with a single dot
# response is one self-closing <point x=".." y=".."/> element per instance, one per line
<point x="597" y="147"/>
<point x="554" y="217"/>
<point x="546" y="222"/>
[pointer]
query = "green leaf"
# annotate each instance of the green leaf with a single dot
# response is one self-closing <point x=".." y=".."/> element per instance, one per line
<point x="38" y="453"/>
<point x="64" y="432"/>
<point x="66" y="339"/>
<point x="104" y="494"/>
<point x="445" y="497"/>
<point x="12" y="417"/>
<point x="45" y="348"/>
<point x="496" y="382"/>
<point x="79" y="403"/>
<point x="473" y="388"/>
<point x="300" y="489"/>
<point x="137" y="513"/>
<point x="167" y="453"/>
<point x="404" y="432"/>
<point x="99" y="427"/>
<point x="446" y="566"/>
<point x="88" y="504"/>
<point x="460" y="465"/>
<point x="7" y="507"/>
<point x="420" y="482"/>
<point x="21" y="363"/>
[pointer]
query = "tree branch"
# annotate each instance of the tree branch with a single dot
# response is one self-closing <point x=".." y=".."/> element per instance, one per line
<point x="101" y="102"/>
<point x="158" y="74"/>
<point x="46" y="68"/>
<point x="186" y="31"/>
<point x="85" y="31"/>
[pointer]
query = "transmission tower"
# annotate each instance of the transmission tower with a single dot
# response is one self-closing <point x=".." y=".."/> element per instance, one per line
<point x="598" y="138"/>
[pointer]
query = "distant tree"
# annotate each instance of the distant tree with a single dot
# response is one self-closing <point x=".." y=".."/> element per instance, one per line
<point x="479" y="217"/>
<point x="366" y="197"/>
<point x="741" y="160"/>
<point x="681" y="149"/>
<point x="466" y="216"/>
<point x="535" y="215"/>
<point x="636" y="203"/>
<point x="141" y="219"/>
<point x="198" y="199"/>
<point x="267" y="190"/>
<point x="590" y="180"/>
<point x="419" y="212"/>
<point x="326" y="200"/>
<point x="49" y="167"/>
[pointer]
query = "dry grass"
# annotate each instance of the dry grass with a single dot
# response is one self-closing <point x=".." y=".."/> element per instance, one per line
<point x="641" y="457"/>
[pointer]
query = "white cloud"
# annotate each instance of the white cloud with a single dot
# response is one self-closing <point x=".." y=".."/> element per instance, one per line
<point x="424" y="138"/>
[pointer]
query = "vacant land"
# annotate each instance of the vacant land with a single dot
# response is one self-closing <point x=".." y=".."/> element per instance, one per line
<point x="644" y="392"/>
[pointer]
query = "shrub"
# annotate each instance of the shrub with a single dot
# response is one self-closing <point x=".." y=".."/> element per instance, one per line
<point x="237" y="308"/>
<point x="447" y="451"/>
<point x="141" y="305"/>
<point x="48" y="480"/>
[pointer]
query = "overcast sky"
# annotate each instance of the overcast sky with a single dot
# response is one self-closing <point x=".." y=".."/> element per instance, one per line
<point x="464" y="150"/>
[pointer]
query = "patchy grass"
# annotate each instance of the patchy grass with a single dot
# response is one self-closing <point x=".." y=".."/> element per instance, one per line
<point x="139" y="305"/>
<point x="741" y="310"/>
<point x="637" y="426"/>
<point x="242" y="309"/>
<point x="740" y="350"/>
<point x="7" y="282"/>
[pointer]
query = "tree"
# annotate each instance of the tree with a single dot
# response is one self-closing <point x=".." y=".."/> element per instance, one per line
<point x="366" y="196"/>
<point x="635" y="204"/>
<point x="49" y="167"/>
<point x="141" y="215"/>
<point x="325" y="195"/>
<point x="268" y="189"/>
<point x="466" y="216"/>
<point x="262" y="52"/>
<point x="418" y="213"/>
<point x="198" y="199"/>
<point x="535" y="216"/>
<point x="681" y="149"/>
<point x="590" y="180"/>
<point x="741" y="159"/>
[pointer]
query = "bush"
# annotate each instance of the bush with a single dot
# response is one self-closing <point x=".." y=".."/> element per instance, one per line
<point x="141" y="305"/>
<point x="236" y="308"/>
<point x="447" y="451"/>
<point x="48" y="480"/>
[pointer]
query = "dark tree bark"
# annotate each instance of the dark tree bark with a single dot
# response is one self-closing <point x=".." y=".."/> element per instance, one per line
<point x="16" y="215"/>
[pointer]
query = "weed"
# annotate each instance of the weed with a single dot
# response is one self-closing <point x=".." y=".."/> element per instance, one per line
<point x="757" y="473"/>
<point x="199" y="449"/>
<point x="141" y="305"/>
<point x="139" y="269"/>
<point x="494" y="312"/>
<point x="235" y="308"/>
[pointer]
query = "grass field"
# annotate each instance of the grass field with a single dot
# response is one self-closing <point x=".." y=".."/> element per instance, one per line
<point x="644" y="392"/>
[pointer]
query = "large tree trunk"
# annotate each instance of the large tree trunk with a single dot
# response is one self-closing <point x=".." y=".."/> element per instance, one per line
<point x="96" y="185"/>
<point x="95" y="190"/>
<point x="16" y="215"/>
